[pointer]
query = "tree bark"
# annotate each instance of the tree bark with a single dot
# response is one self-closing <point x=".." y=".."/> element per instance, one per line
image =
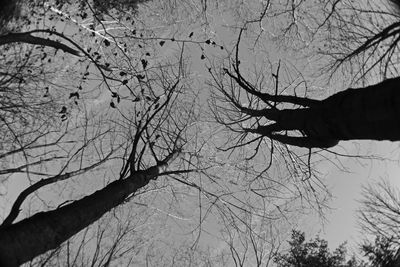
<point x="371" y="113"/>
<point x="24" y="240"/>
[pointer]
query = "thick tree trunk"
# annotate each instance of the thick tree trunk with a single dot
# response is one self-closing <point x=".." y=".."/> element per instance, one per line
<point x="370" y="113"/>
<point x="22" y="241"/>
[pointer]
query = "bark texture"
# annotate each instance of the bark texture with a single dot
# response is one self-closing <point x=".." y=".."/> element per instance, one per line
<point x="24" y="240"/>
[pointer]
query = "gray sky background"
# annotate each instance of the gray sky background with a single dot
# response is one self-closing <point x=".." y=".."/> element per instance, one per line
<point x="346" y="187"/>
<point x="341" y="224"/>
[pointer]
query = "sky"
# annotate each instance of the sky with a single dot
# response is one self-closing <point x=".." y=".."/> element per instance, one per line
<point x="341" y="224"/>
<point x="346" y="188"/>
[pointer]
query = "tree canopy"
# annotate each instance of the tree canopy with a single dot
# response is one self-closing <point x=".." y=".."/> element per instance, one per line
<point x="194" y="128"/>
<point x="314" y="253"/>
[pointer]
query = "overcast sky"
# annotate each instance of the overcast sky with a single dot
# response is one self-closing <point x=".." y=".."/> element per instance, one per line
<point x="346" y="186"/>
<point x="341" y="224"/>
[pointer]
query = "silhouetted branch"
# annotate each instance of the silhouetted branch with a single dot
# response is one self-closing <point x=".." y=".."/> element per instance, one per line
<point x="27" y="37"/>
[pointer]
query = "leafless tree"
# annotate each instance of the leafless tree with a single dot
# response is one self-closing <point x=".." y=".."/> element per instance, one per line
<point x="313" y="123"/>
<point x="378" y="220"/>
<point x="267" y="107"/>
<point x="269" y="110"/>
<point x="141" y="129"/>
<point x="140" y="117"/>
<point x="153" y="139"/>
<point x="379" y="210"/>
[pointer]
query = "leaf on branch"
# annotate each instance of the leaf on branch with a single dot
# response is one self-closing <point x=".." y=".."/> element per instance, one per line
<point x="112" y="104"/>
<point x="140" y="77"/>
<point x="75" y="94"/>
<point x="144" y="63"/>
<point x="63" y="110"/>
<point x="46" y="94"/>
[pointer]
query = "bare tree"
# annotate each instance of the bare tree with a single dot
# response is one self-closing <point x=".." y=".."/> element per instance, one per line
<point x="122" y="237"/>
<point x="156" y="141"/>
<point x="253" y="240"/>
<point x="269" y="109"/>
<point x="139" y="115"/>
<point x="144" y="132"/>
<point x="313" y="123"/>
<point x="379" y="211"/>
<point x="258" y="107"/>
<point x="379" y="223"/>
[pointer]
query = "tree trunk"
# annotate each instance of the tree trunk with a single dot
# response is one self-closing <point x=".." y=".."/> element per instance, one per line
<point x="370" y="113"/>
<point x="22" y="241"/>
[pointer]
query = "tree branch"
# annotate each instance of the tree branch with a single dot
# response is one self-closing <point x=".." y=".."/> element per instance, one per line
<point x="26" y="37"/>
<point x="14" y="212"/>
